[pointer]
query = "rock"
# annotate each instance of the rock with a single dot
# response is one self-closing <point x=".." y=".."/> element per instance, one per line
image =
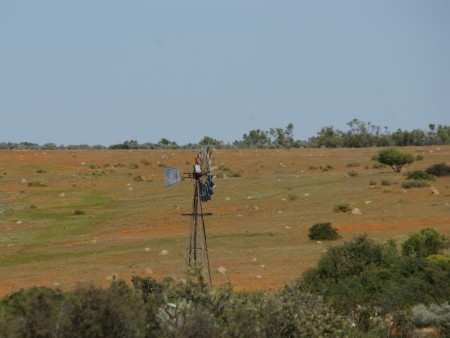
<point x="434" y="191"/>
<point x="222" y="270"/>
<point x="164" y="252"/>
<point x="356" y="211"/>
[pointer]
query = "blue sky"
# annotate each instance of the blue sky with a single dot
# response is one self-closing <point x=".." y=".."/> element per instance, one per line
<point x="105" y="71"/>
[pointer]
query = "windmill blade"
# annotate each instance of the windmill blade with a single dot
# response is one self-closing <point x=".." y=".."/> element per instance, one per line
<point x="172" y="176"/>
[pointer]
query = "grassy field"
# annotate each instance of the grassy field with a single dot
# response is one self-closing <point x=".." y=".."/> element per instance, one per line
<point x="72" y="216"/>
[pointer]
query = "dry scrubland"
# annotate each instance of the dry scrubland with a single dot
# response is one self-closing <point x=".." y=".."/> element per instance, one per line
<point x="258" y="233"/>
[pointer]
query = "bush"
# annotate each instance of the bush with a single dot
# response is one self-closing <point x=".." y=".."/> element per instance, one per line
<point x="415" y="184"/>
<point x="385" y="183"/>
<point x="323" y="231"/>
<point x="342" y="207"/>
<point x="419" y="175"/>
<point x="37" y="183"/>
<point x="432" y="315"/>
<point x="440" y="169"/>
<point x="327" y="167"/>
<point x="425" y="243"/>
<point x="352" y="174"/>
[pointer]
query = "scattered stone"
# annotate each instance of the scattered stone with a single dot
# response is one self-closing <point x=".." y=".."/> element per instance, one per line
<point x="434" y="191"/>
<point x="62" y="195"/>
<point x="113" y="277"/>
<point x="240" y="215"/>
<point x="367" y="202"/>
<point x="148" y="271"/>
<point x="283" y="199"/>
<point x="306" y="194"/>
<point x="24" y="180"/>
<point x="249" y="197"/>
<point x="222" y="270"/>
<point x="262" y="266"/>
<point x="19" y="222"/>
<point x="287" y="227"/>
<point x="319" y="242"/>
<point x="280" y="212"/>
<point x="254" y="259"/>
<point x="356" y="211"/>
<point x="164" y="252"/>
<point x="94" y="241"/>
<point x="403" y="191"/>
<point x="255" y="207"/>
<point x="258" y="276"/>
<point x="227" y="199"/>
<point x="147" y="249"/>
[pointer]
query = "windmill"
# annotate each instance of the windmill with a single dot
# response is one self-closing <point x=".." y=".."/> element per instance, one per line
<point x="197" y="249"/>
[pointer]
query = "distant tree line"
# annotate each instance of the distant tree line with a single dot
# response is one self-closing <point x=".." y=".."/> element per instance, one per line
<point x="360" y="134"/>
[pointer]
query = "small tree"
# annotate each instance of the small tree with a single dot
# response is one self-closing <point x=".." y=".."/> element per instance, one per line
<point x="394" y="158"/>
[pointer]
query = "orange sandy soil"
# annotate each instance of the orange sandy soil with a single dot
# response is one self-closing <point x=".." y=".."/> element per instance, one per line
<point x="258" y="231"/>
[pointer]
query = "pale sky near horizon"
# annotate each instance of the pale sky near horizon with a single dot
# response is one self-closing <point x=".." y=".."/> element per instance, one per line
<point x="102" y="72"/>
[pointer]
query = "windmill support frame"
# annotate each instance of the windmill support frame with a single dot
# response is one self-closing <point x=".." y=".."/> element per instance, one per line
<point x="197" y="248"/>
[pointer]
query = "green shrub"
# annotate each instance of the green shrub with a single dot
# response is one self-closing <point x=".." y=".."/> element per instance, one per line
<point x="425" y="243"/>
<point x="372" y="182"/>
<point x="415" y="184"/>
<point x="353" y="164"/>
<point x="40" y="171"/>
<point x="145" y="162"/>
<point x="342" y="207"/>
<point x="292" y="197"/>
<point x="378" y="166"/>
<point x="134" y="165"/>
<point x="327" y="167"/>
<point x="98" y="173"/>
<point x="440" y="169"/>
<point x="226" y="171"/>
<point x="323" y="231"/>
<point x="352" y="174"/>
<point x="385" y="183"/>
<point x="419" y="157"/>
<point x="37" y="183"/>
<point x="419" y="175"/>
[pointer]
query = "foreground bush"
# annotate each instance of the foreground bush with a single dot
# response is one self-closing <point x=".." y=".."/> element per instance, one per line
<point x="360" y="288"/>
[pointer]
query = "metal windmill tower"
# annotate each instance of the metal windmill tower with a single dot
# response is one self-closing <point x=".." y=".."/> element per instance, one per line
<point x="197" y="249"/>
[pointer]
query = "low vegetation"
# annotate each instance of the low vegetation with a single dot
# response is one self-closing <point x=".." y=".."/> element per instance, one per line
<point x="323" y="231"/>
<point x="358" y="289"/>
<point x="440" y="169"/>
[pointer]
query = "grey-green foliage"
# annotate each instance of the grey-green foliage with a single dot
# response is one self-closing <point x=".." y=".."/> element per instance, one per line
<point x="432" y="315"/>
